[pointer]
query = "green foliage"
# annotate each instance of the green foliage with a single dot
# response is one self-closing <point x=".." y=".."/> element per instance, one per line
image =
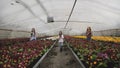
<point x="94" y="57"/>
<point x="102" y="65"/>
<point x="20" y="50"/>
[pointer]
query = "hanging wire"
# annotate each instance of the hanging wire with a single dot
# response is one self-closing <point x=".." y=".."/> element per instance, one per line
<point x="70" y="13"/>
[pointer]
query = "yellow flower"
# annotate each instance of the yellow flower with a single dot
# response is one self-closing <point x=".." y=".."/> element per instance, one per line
<point x="91" y="57"/>
<point x="102" y="38"/>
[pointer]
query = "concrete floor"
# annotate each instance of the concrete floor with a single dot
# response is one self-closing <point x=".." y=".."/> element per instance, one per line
<point x="57" y="59"/>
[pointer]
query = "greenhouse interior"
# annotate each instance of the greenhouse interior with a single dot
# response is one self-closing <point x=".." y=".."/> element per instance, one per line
<point x="59" y="34"/>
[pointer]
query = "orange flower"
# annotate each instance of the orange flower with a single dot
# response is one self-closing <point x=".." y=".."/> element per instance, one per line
<point x="94" y="62"/>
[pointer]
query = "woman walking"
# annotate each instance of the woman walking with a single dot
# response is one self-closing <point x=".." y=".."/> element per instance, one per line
<point x="60" y="40"/>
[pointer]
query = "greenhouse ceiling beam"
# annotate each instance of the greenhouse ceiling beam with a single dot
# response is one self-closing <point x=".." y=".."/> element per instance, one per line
<point x="70" y="13"/>
<point x="43" y="7"/>
<point x="20" y="21"/>
<point x="79" y="21"/>
<point x="28" y="8"/>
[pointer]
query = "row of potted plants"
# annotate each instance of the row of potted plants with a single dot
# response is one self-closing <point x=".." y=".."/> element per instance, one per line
<point x="8" y="42"/>
<point x="96" y="54"/>
<point x="23" y="55"/>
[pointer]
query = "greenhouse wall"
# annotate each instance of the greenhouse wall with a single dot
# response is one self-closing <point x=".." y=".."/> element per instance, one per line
<point x="18" y="34"/>
<point x="4" y="33"/>
<point x="111" y="32"/>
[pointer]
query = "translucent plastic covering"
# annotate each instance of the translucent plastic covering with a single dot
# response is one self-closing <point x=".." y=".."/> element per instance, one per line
<point x="26" y="14"/>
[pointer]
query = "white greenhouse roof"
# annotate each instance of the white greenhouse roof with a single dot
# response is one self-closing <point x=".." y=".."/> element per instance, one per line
<point x="27" y="14"/>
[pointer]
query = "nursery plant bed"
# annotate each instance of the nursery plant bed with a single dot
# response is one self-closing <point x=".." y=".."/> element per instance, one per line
<point x="37" y="61"/>
<point x="23" y="55"/>
<point x="95" y="54"/>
